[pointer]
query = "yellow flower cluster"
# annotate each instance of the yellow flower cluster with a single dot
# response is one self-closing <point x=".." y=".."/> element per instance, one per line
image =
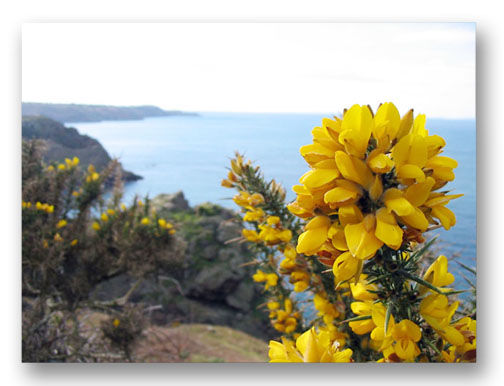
<point x="374" y="181"/>
<point x="69" y="164"/>
<point x="298" y="273"/>
<point x="309" y="347"/>
<point x="38" y="206"/>
<point x="92" y="174"/>
<point x="270" y="279"/>
<point x="399" y="342"/>
<point x="160" y="223"/>
<point x="247" y="200"/>
<point x="61" y="224"/>
<point x="465" y="352"/>
<point x="271" y="231"/>
<point x="283" y="320"/>
<point x="163" y="224"/>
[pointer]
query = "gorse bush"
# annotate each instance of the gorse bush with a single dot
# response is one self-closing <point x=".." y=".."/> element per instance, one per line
<point x="354" y="242"/>
<point x="72" y="240"/>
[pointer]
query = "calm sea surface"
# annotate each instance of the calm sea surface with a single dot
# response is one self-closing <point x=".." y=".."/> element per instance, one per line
<point x="191" y="153"/>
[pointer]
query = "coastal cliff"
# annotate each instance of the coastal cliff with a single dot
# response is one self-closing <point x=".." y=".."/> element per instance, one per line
<point x="95" y="113"/>
<point x="66" y="142"/>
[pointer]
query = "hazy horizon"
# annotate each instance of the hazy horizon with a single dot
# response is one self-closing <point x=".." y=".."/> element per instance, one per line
<point x="337" y="113"/>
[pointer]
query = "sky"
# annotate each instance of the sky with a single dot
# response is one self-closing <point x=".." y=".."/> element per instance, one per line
<point x="254" y="67"/>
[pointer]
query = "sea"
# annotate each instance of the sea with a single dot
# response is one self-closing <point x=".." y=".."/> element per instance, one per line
<point x="191" y="153"/>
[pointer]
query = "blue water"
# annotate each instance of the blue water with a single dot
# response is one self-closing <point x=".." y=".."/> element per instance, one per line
<point x="190" y="153"/>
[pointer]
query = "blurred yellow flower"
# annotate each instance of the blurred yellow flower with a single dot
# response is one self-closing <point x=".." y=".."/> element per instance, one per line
<point x="61" y="224"/>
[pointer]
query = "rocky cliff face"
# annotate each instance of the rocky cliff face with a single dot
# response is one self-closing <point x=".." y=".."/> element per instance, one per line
<point x="66" y="142"/>
<point x="215" y="286"/>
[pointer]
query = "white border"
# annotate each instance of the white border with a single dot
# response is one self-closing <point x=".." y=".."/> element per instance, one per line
<point x="488" y="370"/>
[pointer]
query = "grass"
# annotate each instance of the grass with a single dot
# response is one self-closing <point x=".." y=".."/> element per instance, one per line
<point x="201" y="343"/>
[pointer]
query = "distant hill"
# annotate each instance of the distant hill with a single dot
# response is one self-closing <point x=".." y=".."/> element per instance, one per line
<point x="94" y="113"/>
<point x="66" y="142"/>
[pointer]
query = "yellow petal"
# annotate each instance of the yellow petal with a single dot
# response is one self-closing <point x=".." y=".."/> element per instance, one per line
<point x="387" y="229"/>
<point x="438" y="274"/>
<point x="356" y="127"/>
<point x="338" y="239"/>
<point x="416" y="220"/>
<point x="419" y="126"/>
<point x="318" y="222"/>
<point x="395" y="201"/>
<point x="386" y="124"/>
<point x="417" y="194"/>
<point x="411" y="149"/>
<point x="441" y="161"/>
<point x="376" y="189"/>
<point x="362" y="242"/>
<point x="444" y="174"/>
<point x="353" y="169"/>
<point x="361" y="308"/>
<point x="318" y="177"/>
<point x="406" y="124"/>
<point x="320" y="135"/>
<point x="400" y="152"/>
<point x="406" y="349"/>
<point x="453" y="336"/>
<point x="441" y="200"/>
<point x="315" y="152"/>
<point x="340" y="196"/>
<point x="362" y="327"/>
<point x="309" y="242"/>
<point x="277" y="352"/>
<point x="411" y="171"/>
<point x="418" y="151"/>
<point x="444" y="215"/>
<point x="311" y="353"/>
<point x="302" y="341"/>
<point x="333" y="128"/>
<point x="412" y="330"/>
<point x="379" y="162"/>
<point x="326" y="164"/>
<point x="345" y="267"/>
<point x="350" y="214"/>
<point x="434" y="145"/>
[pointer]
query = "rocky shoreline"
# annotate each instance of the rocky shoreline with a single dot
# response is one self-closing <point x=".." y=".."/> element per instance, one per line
<point x="213" y="286"/>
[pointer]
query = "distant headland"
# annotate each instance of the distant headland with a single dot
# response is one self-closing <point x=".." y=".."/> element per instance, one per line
<point x="95" y="113"/>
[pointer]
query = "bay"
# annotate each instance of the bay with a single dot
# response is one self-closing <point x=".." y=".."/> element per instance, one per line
<point x="191" y="153"/>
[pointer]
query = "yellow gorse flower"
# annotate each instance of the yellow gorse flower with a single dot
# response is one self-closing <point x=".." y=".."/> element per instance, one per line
<point x="271" y="279"/>
<point x="70" y="163"/>
<point x="405" y="334"/>
<point x="61" y="224"/>
<point x="373" y="181"/>
<point x="437" y="274"/>
<point x="254" y="215"/>
<point x="92" y="175"/>
<point x="309" y="347"/>
<point x="285" y="320"/>
<point x="438" y="313"/>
